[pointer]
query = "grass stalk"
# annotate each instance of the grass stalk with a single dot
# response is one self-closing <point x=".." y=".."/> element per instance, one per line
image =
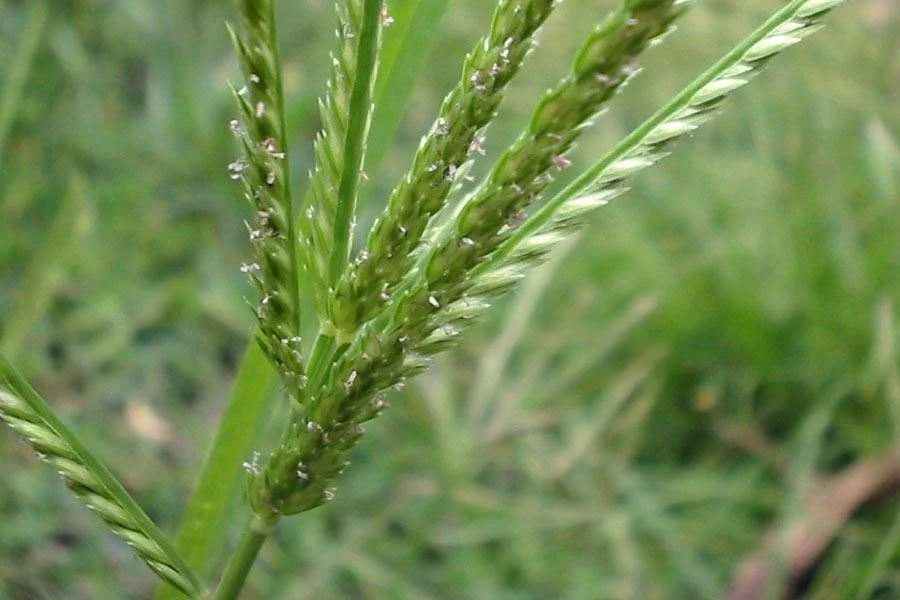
<point x="202" y="532"/>
<point x="357" y="133"/>
<point x="254" y="536"/>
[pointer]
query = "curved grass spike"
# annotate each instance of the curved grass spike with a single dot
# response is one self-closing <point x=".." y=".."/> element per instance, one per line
<point x="263" y="171"/>
<point x="27" y="413"/>
<point x="692" y="107"/>
<point x="316" y="222"/>
<point x="440" y="161"/>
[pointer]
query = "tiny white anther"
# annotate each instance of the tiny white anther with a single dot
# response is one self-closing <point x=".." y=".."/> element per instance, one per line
<point x="252" y="465"/>
<point x="351" y="379"/>
<point x="329" y="494"/>
<point x="442" y="127"/>
<point x="236" y="169"/>
<point x="467" y="241"/>
<point x="386" y="19"/>
<point x="477" y="145"/>
<point x="313" y="427"/>
<point x="250" y="268"/>
<point x="243" y="91"/>
<point x="235" y="126"/>
<point x="254" y="78"/>
<point x="434" y="302"/>
<point x="270" y="178"/>
<point x="561" y="162"/>
<point x="260" y="108"/>
<point x="476" y="81"/>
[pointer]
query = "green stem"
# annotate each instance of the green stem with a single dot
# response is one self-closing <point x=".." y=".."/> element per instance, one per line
<point x="241" y="561"/>
<point x="357" y="130"/>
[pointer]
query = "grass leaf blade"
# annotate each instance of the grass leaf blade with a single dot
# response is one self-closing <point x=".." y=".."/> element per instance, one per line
<point x="203" y="527"/>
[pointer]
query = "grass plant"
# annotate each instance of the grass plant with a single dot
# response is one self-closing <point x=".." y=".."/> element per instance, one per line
<point x="438" y="256"/>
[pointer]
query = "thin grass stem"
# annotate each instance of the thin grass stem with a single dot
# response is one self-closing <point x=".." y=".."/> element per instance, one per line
<point x="357" y="132"/>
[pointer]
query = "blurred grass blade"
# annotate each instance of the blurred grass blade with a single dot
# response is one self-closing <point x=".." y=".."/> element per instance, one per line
<point x="880" y="568"/>
<point x="30" y="416"/>
<point x="407" y="45"/>
<point x="45" y="271"/>
<point x="21" y="67"/>
<point x="204" y="525"/>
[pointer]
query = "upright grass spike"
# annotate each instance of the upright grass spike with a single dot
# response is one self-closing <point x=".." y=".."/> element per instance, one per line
<point x="439" y="163"/>
<point x="264" y="173"/>
<point x="27" y="413"/>
<point x="316" y="221"/>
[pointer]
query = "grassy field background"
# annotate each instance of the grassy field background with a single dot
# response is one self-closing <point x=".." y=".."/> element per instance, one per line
<point x="690" y="382"/>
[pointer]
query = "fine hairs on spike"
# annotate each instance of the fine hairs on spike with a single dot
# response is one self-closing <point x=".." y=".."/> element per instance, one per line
<point x="27" y="414"/>
<point x="439" y="164"/>
<point x="433" y="261"/>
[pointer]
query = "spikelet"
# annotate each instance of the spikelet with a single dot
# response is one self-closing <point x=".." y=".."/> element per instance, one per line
<point x="439" y="164"/>
<point x="26" y="413"/>
<point x="263" y="173"/>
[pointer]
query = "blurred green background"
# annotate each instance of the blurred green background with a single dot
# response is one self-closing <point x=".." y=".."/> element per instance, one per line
<point x="687" y="381"/>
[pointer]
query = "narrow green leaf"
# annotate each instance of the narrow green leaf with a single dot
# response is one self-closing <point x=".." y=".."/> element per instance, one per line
<point x="205" y="522"/>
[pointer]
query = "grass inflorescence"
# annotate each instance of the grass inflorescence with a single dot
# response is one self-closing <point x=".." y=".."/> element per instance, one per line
<point x="435" y="258"/>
